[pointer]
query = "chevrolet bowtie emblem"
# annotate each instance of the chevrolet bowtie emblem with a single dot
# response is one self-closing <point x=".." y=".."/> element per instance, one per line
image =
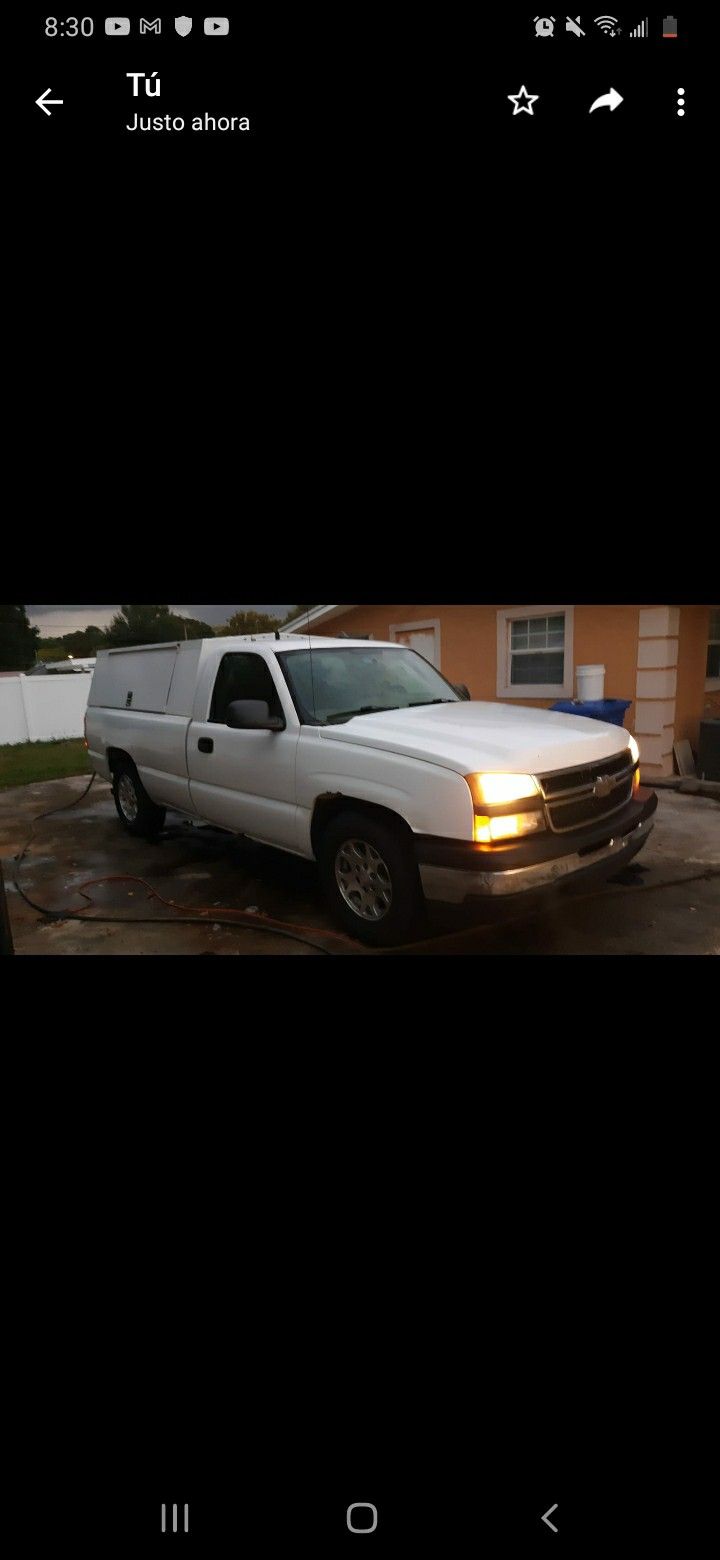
<point x="603" y="785"/>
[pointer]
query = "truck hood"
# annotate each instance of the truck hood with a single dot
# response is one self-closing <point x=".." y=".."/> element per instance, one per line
<point x="471" y="736"/>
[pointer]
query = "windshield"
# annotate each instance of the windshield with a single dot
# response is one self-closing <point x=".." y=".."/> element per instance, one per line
<point x="330" y="686"/>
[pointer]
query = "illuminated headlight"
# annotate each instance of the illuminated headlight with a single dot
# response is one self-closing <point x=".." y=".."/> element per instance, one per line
<point x="513" y="826"/>
<point x="634" y="749"/>
<point x="495" y="790"/>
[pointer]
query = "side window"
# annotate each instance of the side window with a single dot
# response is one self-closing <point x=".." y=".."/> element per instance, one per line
<point x="243" y="677"/>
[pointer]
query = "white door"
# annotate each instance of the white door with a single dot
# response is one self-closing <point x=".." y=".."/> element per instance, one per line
<point x="424" y="640"/>
<point x="244" y="780"/>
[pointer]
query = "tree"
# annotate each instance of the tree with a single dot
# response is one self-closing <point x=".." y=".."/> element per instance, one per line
<point x="18" y="641"/>
<point x="152" y="626"/>
<point x="191" y="628"/>
<point x="85" y="642"/>
<point x="296" y="612"/>
<point x="136" y="625"/>
<point x="249" y="623"/>
<point x="94" y="637"/>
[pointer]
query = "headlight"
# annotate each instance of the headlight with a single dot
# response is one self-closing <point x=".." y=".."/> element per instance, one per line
<point x="634" y="749"/>
<point x="496" y="790"/>
<point x="511" y="826"/>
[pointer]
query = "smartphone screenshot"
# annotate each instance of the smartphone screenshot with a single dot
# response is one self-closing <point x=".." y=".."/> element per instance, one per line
<point x="312" y="299"/>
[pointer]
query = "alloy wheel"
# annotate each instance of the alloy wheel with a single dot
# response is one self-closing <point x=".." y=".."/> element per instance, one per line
<point x="364" y="880"/>
<point x="127" y="797"/>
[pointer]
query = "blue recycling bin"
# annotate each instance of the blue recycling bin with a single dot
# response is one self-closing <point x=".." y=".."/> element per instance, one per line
<point x="610" y="710"/>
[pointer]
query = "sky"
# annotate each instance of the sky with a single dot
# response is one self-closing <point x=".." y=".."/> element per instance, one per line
<point x="68" y="620"/>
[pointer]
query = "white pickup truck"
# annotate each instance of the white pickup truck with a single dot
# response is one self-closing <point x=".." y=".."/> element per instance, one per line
<point x="361" y="756"/>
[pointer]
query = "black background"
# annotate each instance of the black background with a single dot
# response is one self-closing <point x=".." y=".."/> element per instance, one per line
<point x="394" y="332"/>
<point x="387" y="268"/>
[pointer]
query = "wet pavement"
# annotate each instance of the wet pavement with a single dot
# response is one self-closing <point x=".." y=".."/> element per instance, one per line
<point x="210" y="873"/>
<point x="667" y="901"/>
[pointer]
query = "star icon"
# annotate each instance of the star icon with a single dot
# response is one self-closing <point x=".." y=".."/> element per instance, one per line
<point x="523" y="101"/>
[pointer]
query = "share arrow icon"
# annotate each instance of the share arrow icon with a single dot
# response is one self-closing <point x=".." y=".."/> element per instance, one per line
<point x="611" y="100"/>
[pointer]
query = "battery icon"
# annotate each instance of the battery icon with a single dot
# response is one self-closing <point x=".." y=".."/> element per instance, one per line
<point x="670" y="29"/>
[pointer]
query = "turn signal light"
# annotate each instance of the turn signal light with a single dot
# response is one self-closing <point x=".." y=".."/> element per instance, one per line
<point x="510" y="827"/>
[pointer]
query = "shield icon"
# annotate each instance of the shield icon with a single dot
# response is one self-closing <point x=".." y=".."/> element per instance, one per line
<point x="183" y="25"/>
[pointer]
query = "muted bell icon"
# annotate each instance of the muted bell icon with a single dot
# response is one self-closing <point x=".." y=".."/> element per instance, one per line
<point x="183" y="25"/>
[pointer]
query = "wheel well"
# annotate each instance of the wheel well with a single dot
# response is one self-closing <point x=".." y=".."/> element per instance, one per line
<point x="114" y="757"/>
<point x="329" y="807"/>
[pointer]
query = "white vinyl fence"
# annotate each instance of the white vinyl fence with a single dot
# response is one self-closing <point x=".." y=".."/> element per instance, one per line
<point x="38" y="709"/>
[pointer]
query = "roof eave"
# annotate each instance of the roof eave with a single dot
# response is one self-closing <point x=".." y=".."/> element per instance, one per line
<point x="317" y="615"/>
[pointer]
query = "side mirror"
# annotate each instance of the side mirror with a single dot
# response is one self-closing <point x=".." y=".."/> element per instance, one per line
<point x="252" y="715"/>
<point x="462" y="690"/>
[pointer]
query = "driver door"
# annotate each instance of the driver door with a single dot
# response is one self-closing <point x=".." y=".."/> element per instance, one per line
<point x="244" y="780"/>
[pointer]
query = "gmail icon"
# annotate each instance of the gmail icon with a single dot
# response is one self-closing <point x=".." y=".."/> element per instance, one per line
<point x="155" y="26"/>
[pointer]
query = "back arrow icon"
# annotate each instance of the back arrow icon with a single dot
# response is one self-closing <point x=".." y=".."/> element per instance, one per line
<point x="611" y="100"/>
<point x="44" y="100"/>
<point x="547" y="1516"/>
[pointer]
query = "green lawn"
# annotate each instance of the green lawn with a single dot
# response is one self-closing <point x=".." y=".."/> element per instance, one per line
<point x="21" y="763"/>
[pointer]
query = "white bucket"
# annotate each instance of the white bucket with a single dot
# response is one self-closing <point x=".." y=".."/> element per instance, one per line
<point x="590" y="683"/>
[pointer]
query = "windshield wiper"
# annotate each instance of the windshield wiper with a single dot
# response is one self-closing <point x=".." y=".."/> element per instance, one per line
<point x="419" y="702"/>
<point x="365" y="709"/>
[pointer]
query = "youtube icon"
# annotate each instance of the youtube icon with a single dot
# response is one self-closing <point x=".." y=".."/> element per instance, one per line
<point x="217" y="26"/>
<point x="117" y="26"/>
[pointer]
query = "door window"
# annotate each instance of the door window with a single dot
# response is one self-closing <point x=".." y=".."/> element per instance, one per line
<point x="243" y="676"/>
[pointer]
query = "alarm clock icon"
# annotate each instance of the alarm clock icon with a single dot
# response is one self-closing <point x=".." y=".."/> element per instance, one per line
<point x="544" y="26"/>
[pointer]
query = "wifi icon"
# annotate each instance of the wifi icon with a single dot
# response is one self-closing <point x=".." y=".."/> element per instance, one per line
<point x="609" y="25"/>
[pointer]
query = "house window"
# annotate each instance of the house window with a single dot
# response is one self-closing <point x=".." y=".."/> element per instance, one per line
<point x="537" y="650"/>
<point x="535" y="653"/>
<point x="712" y="671"/>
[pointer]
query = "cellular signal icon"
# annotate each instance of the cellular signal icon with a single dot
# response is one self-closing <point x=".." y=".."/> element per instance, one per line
<point x="609" y="25"/>
<point x="642" y="30"/>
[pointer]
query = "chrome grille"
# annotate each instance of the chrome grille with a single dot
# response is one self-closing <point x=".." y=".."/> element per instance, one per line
<point x="571" y="799"/>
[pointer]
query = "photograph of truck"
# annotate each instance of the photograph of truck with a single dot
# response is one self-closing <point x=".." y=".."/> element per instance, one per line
<point x="361" y="757"/>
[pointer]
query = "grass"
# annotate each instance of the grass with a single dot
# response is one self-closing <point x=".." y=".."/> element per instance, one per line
<point x="22" y="763"/>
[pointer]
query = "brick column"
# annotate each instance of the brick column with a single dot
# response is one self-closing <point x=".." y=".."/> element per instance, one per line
<point x="656" y="687"/>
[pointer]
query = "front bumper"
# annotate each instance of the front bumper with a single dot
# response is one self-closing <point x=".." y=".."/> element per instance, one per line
<point x="456" y="881"/>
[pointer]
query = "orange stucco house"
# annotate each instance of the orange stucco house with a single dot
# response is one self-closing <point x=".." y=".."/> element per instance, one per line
<point x="665" y="659"/>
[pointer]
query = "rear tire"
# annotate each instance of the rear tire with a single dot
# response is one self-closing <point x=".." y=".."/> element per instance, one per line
<point x="370" y="879"/>
<point x="137" y="813"/>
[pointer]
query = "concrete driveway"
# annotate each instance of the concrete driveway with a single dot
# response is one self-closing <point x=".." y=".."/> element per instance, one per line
<point x="668" y="901"/>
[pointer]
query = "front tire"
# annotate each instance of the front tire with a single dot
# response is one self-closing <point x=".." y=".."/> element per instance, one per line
<point x="137" y="813"/>
<point x="370" y="879"/>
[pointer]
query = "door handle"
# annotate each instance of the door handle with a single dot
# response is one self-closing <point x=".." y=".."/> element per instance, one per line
<point x="206" y="744"/>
